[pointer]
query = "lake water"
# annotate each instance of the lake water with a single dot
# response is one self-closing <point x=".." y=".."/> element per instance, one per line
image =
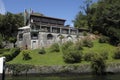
<point x="80" y="77"/>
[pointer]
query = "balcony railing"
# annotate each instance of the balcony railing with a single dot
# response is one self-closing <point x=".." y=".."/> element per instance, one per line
<point x="34" y="38"/>
<point x="34" y="30"/>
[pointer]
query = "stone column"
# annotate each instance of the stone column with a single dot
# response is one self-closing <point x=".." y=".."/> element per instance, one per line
<point x="60" y="30"/>
<point x="51" y="29"/>
<point x="77" y="32"/>
<point x="69" y="31"/>
<point x="40" y="27"/>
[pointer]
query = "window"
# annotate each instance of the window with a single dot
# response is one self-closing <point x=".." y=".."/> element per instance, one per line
<point x="34" y="35"/>
<point x="53" y="21"/>
<point x="61" y="22"/>
<point x="49" y="36"/>
<point x="20" y="37"/>
<point x="45" y="20"/>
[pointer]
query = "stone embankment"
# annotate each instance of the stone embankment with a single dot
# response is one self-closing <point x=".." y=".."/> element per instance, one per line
<point x="56" y="69"/>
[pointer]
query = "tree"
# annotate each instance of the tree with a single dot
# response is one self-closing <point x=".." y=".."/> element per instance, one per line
<point x="80" y="21"/>
<point x="9" y="24"/>
<point x="83" y="18"/>
<point x="103" y="16"/>
<point x="108" y="19"/>
<point x="12" y="40"/>
<point x="1" y="40"/>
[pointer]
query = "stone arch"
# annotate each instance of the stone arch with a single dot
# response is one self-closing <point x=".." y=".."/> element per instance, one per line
<point x="49" y="37"/>
<point x="69" y="38"/>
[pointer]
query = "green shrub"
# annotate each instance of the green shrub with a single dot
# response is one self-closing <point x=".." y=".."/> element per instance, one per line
<point x="54" y="47"/>
<point x="17" y="69"/>
<point x="78" y="45"/>
<point x="98" y="65"/>
<point x="84" y="33"/>
<point x="66" y="45"/>
<point x="117" y="54"/>
<point x="72" y="55"/>
<point x="104" y="55"/>
<point x="88" y="56"/>
<point x="87" y="43"/>
<point x="96" y="32"/>
<point x="12" y="54"/>
<point x="3" y="50"/>
<point x="104" y="39"/>
<point x="42" y="51"/>
<point x="26" y="55"/>
<point x="1" y="40"/>
<point x="8" y="57"/>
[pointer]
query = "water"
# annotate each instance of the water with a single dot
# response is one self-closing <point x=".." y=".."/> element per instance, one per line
<point x="80" y="77"/>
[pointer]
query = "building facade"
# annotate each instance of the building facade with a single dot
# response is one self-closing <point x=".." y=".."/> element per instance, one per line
<point x="42" y="31"/>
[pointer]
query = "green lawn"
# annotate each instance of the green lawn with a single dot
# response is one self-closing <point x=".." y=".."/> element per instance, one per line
<point x="56" y="58"/>
<point x="40" y="59"/>
<point x="101" y="47"/>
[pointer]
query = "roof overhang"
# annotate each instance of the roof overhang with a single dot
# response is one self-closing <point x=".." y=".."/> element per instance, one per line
<point x="25" y="27"/>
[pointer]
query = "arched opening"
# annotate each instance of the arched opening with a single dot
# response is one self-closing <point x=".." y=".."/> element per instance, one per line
<point x="69" y="38"/>
<point x="49" y="36"/>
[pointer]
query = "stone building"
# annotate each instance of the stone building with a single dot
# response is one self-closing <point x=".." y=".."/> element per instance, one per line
<point x="43" y="31"/>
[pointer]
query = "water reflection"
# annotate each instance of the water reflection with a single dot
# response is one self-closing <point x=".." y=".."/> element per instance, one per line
<point x="81" y="77"/>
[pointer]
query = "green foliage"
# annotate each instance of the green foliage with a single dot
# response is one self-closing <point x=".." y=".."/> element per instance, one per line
<point x="71" y="52"/>
<point x="72" y="55"/>
<point x="107" y="19"/>
<point x="51" y="58"/>
<point x="26" y="55"/>
<point x="42" y="51"/>
<point x="102" y="16"/>
<point x="1" y="40"/>
<point x="80" y="21"/>
<point x="17" y="69"/>
<point x="87" y="43"/>
<point x="12" y="39"/>
<point x="104" y="39"/>
<point x="61" y="37"/>
<point x="12" y="54"/>
<point x="88" y="56"/>
<point x="84" y="33"/>
<point x="117" y="54"/>
<point x="96" y="32"/>
<point x="9" y="24"/>
<point x="15" y="51"/>
<point x="66" y="45"/>
<point x="55" y="47"/>
<point x="3" y="50"/>
<point x="98" y="65"/>
<point x="8" y="57"/>
<point x="78" y="45"/>
<point x="104" y="55"/>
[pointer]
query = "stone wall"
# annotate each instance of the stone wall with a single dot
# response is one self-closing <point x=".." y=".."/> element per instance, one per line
<point x="69" y="69"/>
<point x="43" y="41"/>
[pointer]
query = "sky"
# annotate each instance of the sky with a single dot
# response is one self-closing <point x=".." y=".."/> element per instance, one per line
<point x="64" y="9"/>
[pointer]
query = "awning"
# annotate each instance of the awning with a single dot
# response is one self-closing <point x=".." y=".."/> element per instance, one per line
<point x="25" y="27"/>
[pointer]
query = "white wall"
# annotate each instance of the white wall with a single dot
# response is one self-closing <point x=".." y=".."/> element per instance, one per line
<point x="1" y="64"/>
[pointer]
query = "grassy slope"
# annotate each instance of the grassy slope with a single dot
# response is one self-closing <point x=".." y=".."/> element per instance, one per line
<point x="103" y="47"/>
<point x="56" y="58"/>
<point x="38" y="59"/>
